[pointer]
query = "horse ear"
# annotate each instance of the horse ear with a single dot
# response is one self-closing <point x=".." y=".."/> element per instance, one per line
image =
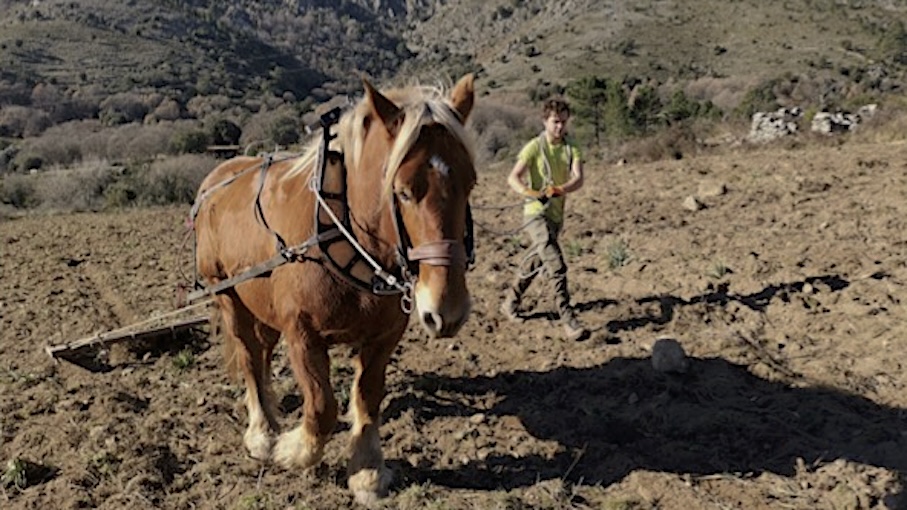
<point x="463" y="96"/>
<point x="384" y="108"/>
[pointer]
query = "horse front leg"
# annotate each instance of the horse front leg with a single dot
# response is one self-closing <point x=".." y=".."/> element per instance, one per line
<point x="303" y="446"/>
<point x="369" y="479"/>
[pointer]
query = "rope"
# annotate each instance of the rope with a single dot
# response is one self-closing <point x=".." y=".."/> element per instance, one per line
<point x="498" y="207"/>
<point x="159" y="318"/>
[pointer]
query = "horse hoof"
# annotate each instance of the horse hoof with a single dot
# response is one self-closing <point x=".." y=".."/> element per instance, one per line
<point x="293" y="450"/>
<point x="366" y="498"/>
<point x="370" y="485"/>
<point x="259" y="445"/>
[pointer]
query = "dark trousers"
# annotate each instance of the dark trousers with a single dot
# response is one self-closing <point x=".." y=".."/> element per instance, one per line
<point x="544" y="257"/>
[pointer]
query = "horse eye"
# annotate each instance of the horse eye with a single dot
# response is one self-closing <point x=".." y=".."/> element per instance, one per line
<point x="404" y="195"/>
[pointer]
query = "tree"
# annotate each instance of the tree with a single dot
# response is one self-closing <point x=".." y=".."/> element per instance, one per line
<point x="616" y="113"/>
<point x="284" y="131"/>
<point x="602" y="104"/>
<point x="645" y="108"/>
<point x="225" y="132"/>
<point x="893" y="43"/>
<point x="588" y="96"/>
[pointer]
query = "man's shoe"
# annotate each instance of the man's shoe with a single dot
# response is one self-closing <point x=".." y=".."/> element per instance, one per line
<point x="574" y="331"/>
<point x="509" y="310"/>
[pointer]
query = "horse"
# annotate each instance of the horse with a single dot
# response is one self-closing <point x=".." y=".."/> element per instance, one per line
<point x="385" y="233"/>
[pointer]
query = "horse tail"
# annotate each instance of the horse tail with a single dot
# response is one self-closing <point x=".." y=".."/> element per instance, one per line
<point x="230" y="342"/>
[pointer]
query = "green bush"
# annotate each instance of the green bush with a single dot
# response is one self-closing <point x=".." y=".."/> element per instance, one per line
<point x="761" y="98"/>
<point x="173" y="180"/>
<point x="192" y="141"/>
<point x="18" y="191"/>
<point x="120" y="194"/>
<point x="24" y="162"/>
<point x="224" y="132"/>
<point x="284" y="131"/>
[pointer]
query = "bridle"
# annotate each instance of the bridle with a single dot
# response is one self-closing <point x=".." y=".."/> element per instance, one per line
<point x="402" y="279"/>
<point x="445" y="252"/>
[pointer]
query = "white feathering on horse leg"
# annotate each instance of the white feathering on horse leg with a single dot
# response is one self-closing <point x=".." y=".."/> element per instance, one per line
<point x="295" y="448"/>
<point x="257" y="438"/>
<point x="369" y="479"/>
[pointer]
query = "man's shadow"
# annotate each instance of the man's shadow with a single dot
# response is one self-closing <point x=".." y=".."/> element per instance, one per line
<point x="757" y="301"/>
<point x="719" y="296"/>
<point x="620" y="416"/>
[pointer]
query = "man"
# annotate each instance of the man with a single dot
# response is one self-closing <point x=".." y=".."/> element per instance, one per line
<point x="554" y="167"/>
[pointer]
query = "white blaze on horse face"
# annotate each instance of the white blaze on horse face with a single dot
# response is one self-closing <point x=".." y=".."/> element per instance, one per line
<point x="440" y="165"/>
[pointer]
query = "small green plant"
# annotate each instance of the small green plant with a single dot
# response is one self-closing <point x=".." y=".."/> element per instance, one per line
<point x="718" y="270"/>
<point x="15" y="474"/>
<point x="104" y="464"/>
<point x="618" y="255"/>
<point x="255" y="501"/>
<point x="573" y="249"/>
<point x="184" y="359"/>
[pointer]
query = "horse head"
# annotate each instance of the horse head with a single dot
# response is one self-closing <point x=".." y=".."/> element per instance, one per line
<point x="429" y="176"/>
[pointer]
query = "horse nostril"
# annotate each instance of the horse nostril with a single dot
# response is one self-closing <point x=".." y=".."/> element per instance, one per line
<point x="432" y="321"/>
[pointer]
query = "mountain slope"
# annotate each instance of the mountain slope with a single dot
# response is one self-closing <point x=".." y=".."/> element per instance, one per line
<point x="317" y="48"/>
<point x="516" y="41"/>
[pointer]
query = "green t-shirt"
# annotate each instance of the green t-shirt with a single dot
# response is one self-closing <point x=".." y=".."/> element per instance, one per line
<point x="560" y="156"/>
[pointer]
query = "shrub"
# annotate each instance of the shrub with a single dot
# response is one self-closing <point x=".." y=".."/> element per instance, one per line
<point x="18" y="191"/>
<point x="762" y="98"/>
<point x="173" y="180"/>
<point x="25" y="161"/>
<point x="194" y="141"/>
<point x="20" y="121"/>
<point x="202" y="106"/>
<point x="77" y="189"/>
<point x="674" y="142"/>
<point x="284" y="130"/>
<point x="123" y="108"/>
<point x="7" y="155"/>
<point x="168" y="109"/>
<point x="120" y="194"/>
<point x="224" y="132"/>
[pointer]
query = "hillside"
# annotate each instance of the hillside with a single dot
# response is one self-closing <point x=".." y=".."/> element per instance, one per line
<point x="171" y="72"/>
<point x="234" y="46"/>
<point x="663" y="39"/>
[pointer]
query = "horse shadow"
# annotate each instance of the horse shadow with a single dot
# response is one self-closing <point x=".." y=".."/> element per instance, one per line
<point x="622" y="415"/>
<point x="612" y="419"/>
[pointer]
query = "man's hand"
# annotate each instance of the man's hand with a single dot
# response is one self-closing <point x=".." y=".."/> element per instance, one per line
<point x="554" y="191"/>
<point x="531" y="193"/>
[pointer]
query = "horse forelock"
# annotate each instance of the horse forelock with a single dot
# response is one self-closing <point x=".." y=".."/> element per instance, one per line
<point x="431" y="106"/>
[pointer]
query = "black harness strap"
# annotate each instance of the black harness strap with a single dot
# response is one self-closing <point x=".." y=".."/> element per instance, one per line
<point x="259" y="212"/>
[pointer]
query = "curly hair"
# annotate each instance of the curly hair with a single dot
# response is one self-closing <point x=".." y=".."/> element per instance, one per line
<point x="556" y="106"/>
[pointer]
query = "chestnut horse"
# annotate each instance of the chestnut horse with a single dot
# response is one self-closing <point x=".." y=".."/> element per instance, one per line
<point x="402" y="209"/>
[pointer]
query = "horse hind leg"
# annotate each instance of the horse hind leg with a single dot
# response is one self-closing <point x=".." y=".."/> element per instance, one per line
<point x="249" y="345"/>
<point x="369" y="478"/>
<point x="303" y="446"/>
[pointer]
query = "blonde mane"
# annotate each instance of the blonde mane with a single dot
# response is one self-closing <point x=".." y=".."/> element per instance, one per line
<point x="420" y="105"/>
